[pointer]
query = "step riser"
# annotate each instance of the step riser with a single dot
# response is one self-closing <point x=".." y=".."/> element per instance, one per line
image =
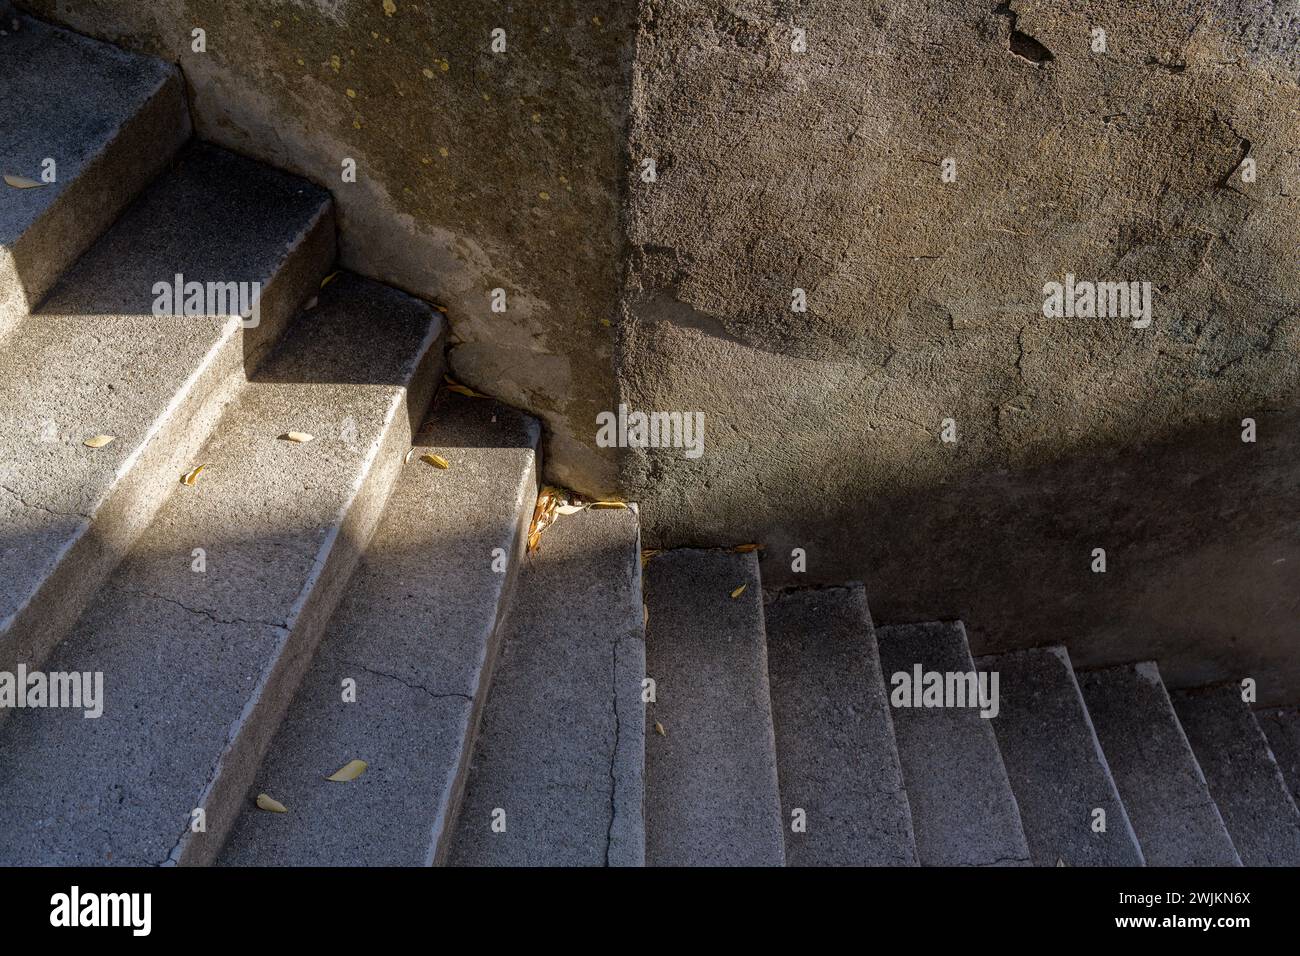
<point x="1157" y="775"/>
<point x="31" y="633"/>
<point x="141" y="148"/>
<point x="712" y="791"/>
<point x="1242" y="774"/>
<point x="1055" y="762"/>
<point x="566" y="766"/>
<point x="228" y="790"/>
<point x="964" y="812"/>
<point x="835" y="751"/>
<point x="443" y="834"/>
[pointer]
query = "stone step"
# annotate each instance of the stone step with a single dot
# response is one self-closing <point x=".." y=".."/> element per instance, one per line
<point x="1242" y="774"/>
<point x="835" y="754"/>
<point x="198" y="668"/>
<point x="417" y="631"/>
<point x="712" y="797"/>
<point x="1282" y="728"/>
<point x="559" y="760"/>
<point x="95" y="361"/>
<point x="1155" y="771"/>
<point x="1056" y="765"/>
<point x="110" y="121"/>
<point x="964" y="812"/>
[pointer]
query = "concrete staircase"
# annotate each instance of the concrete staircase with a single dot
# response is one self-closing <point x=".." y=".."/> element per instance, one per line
<point x="347" y="579"/>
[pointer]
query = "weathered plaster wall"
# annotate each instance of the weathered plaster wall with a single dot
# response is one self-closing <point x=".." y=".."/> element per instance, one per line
<point x="821" y="170"/>
<point x="476" y="170"/>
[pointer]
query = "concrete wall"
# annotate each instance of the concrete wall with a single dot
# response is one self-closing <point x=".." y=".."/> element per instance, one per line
<point x="822" y="170"/>
<point x="476" y="170"/>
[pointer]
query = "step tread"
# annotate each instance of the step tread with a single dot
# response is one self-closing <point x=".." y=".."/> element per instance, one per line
<point x="835" y="752"/>
<point x="417" y="632"/>
<point x="1242" y="774"/>
<point x="560" y="746"/>
<point x="712" y="796"/>
<point x="108" y="366"/>
<point x="1282" y="728"/>
<point x="197" y="666"/>
<point x="1055" y="763"/>
<point x="108" y="118"/>
<point x="1155" y="771"/>
<point x="964" y="812"/>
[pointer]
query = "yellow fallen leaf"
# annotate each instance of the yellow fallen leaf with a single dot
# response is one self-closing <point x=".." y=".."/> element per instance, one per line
<point x="22" y="182"/>
<point x="298" y="438"/>
<point x="659" y="729"/>
<point x="349" y="771"/>
<point x="390" y="7"/>
<point x="608" y="504"/>
<point x="569" y="509"/>
<point x="645" y="615"/>
<point x="436" y="460"/>
<point x="333" y="275"/>
<point x="99" y="441"/>
<point x="746" y="548"/>
<point x="270" y="803"/>
<point x="739" y="591"/>
<point x="459" y="389"/>
<point x="648" y="553"/>
<point x="192" y="476"/>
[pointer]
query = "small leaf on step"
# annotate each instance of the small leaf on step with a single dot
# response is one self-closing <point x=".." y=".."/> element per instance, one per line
<point x="645" y="615"/>
<point x="569" y="509"/>
<point x="328" y="279"/>
<point x="659" y="729"/>
<point x="459" y="389"/>
<point x="22" y="182"/>
<point x="608" y="504"/>
<point x="99" y="441"/>
<point x="739" y="591"/>
<point x="648" y="553"/>
<point x="746" y="548"/>
<point x="436" y="460"/>
<point x="192" y="476"/>
<point x="298" y="438"/>
<point x="270" y="803"/>
<point x="349" y="771"/>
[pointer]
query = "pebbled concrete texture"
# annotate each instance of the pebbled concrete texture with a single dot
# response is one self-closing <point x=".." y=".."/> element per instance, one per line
<point x="417" y="631"/>
<point x="475" y="170"/>
<point x="712" y="796"/>
<point x="158" y="384"/>
<point x="199" y="667"/>
<point x="560" y="748"/>
<point x="1158" y="777"/>
<point x="822" y="171"/>
<point x="1055" y="763"/>
<point x="964" y="812"/>
<point x="1282" y="728"/>
<point x="110" y="121"/>
<point x="835" y="753"/>
<point x="1242" y="775"/>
